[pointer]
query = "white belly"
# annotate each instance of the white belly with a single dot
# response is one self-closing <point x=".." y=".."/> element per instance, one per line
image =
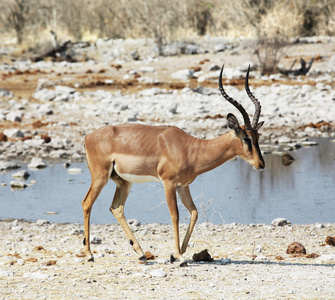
<point x="137" y="178"/>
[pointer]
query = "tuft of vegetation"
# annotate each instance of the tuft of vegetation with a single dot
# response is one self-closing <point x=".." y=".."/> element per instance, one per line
<point x="273" y="24"/>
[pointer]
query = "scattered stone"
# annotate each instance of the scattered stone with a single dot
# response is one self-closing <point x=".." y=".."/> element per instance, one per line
<point x="134" y="222"/>
<point x="287" y="159"/>
<point x="7" y="165"/>
<point x="66" y="165"/>
<point x="296" y="248"/>
<point x="309" y="143"/>
<point x="51" y="262"/>
<point x="5" y="93"/>
<point x="312" y="255"/>
<point x="74" y="170"/>
<point x="13" y="133"/>
<point x="96" y="240"/>
<point x="3" y="137"/>
<point x="37" y="163"/>
<point x="214" y="68"/>
<point x="44" y="95"/>
<point x="41" y="222"/>
<point x="14" y="116"/>
<point x="149" y="255"/>
<point x="21" y="174"/>
<point x="280" y="222"/>
<point x="77" y="232"/>
<point x="202" y="256"/>
<point x="330" y="240"/>
<point x="182" y="74"/>
<point x="15" y="184"/>
<point x="158" y="273"/>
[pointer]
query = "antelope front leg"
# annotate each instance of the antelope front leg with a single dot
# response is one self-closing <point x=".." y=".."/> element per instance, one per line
<point x="117" y="209"/>
<point x="171" y="198"/>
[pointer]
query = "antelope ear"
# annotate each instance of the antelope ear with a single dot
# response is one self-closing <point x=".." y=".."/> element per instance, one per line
<point x="233" y="123"/>
<point x="259" y="125"/>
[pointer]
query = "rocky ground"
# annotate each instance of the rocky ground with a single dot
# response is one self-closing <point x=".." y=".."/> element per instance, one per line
<point x="45" y="261"/>
<point x="47" y="107"/>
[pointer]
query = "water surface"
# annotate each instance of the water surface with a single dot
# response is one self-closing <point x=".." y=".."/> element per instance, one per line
<point x="303" y="193"/>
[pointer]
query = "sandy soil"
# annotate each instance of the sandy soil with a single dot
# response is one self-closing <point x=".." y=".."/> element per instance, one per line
<point x="250" y="262"/>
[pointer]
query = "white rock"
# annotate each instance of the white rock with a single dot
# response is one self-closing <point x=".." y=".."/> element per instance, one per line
<point x="182" y="74"/>
<point x="151" y="92"/>
<point x="158" y="273"/>
<point x="21" y="174"/>
<point x="13" y="133"/>
<point x="77" y="232"/>
<point x="6" y="165"/>
<point x="148" y="69"/>
<point x="44" y="95"/>
<point x="6" y="273"/>
<point x="260" y="257"/>
<point x="14" y="116"/>
<point x="41" y="222"/>
<point x="134" y="222"/>
<point x="44" y="83"/>
<point x="37" y="163"/>
<point x="15" y="184"/>
<point x="96" y="240"/>
<point x="326" y="258"/>
<point x="74" y="170"/>
<point x="309" y="143"/>
<point x="63" y="90"/>
<point x="280" y="222"/>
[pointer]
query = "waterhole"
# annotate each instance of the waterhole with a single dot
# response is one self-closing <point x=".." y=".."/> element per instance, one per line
<point x="303" y="193"/>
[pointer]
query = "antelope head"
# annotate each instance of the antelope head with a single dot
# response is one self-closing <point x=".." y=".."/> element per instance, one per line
<point x="247" y="134"/>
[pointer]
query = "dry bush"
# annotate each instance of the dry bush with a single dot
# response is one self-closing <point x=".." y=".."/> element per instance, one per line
<point x="14" y="16"/>
<point x="271" y="22"/>
<point x="274" y="32"/>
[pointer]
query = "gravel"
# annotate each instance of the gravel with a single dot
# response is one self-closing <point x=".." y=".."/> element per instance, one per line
<point x="45" y="261"/>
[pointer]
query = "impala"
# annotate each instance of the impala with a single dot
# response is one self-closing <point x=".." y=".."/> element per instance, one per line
<point x="134" y="153"/>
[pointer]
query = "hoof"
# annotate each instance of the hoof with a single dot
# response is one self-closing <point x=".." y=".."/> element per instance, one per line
<point x="91" y="259"/>
<point x="172" y="259"/>
<point x="142" y="259"/>
<point x="183" y="264"/>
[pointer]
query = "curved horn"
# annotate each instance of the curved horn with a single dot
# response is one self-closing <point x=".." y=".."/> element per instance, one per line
<point x="234" y="102"/>
<point x="254" y="100"/>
